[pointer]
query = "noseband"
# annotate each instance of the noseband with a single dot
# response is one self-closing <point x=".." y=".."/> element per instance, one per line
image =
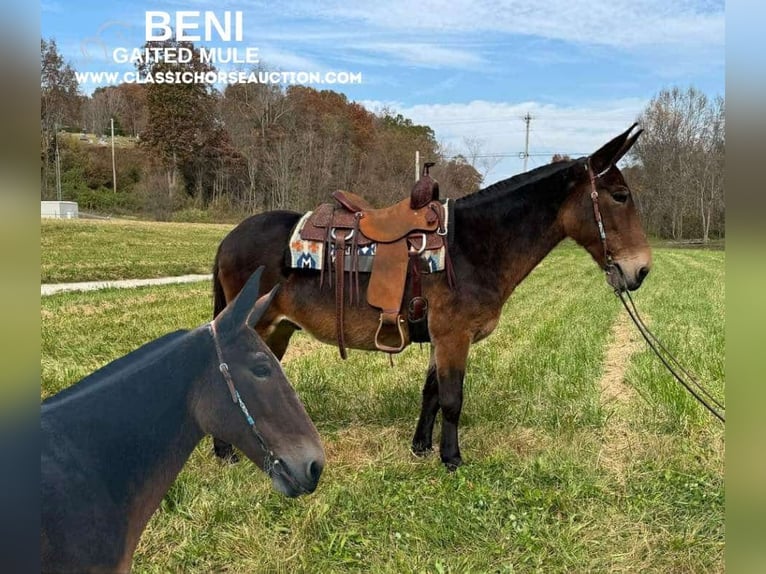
<point x="271" y="463"/>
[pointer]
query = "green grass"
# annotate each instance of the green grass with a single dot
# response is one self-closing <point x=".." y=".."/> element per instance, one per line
<point x="84" y="250"/>
<point x="535" y="494"/>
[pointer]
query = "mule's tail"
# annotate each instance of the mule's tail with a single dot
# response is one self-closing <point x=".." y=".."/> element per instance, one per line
<point x="219" y="299"/>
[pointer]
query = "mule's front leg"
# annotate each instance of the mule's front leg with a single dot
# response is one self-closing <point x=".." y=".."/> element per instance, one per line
<point x="421" y="442"/>
<point x="451" y="359"/>
<point x="224" y="451"/>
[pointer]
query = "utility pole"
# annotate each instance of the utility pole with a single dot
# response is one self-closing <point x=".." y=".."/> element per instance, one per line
<point x="527" y="119"/>
<point x="417" y="165"/>
<point x="114" y="169"/>
<point x="58" y="162"/>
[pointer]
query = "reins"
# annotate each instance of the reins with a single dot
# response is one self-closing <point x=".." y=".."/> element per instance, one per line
<point x="654" y="343"/>
<point x="271" y="463"/>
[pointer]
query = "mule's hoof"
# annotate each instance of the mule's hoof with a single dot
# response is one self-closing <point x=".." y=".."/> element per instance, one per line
<point x="421" y="451"/>
<point x="452" y="464"/>
<point x="232" y="458"/>
<point x="227" y="455"/>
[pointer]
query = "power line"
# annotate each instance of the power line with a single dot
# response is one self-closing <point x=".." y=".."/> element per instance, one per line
<point x="516" y="155"/>
<point x="489" y="119"/>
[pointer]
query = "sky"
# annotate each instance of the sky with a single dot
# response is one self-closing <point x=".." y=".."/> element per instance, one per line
<point x="470" y="69"/>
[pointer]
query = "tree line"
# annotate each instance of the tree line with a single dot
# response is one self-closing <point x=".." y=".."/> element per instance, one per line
<point x="242" y="149"/>
<point x="679" y="165"/>
<point x="252" y="147"/>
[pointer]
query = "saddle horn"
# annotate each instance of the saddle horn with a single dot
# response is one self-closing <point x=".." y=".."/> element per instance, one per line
<point x="425" y="190"/>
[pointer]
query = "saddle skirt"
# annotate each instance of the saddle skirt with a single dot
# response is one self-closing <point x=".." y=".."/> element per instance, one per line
<point x="307" y="246"/>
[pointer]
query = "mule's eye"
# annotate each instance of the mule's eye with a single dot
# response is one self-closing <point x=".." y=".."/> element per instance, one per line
<point x="261" y="370"/>
<point x="261" y="366"/>
<point x="620" y="196"/>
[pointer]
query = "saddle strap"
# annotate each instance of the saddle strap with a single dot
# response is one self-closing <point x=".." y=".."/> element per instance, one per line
<point x="417" y="307"/>
<point x="354" y="279"/>
<point x="439" y="209"/>
<point x="340" y="252"/>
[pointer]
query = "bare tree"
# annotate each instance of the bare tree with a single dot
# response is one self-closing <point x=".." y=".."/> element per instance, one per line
<point x="134" y="115"/>
<point x="681" y="159"/>
<point x="101" y="107"/>
<point x="60" y="101"/>
<point x="252" y="114"/>
<point x="477" y="156"/>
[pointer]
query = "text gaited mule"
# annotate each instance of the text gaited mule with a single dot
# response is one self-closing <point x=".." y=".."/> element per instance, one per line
<point x="500" y="234"/>
<point x="113" y="443"/>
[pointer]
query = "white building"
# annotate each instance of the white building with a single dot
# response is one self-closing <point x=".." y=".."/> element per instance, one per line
<point x="59" y="209"/>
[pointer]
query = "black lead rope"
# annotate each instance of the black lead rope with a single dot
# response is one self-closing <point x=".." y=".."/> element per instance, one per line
<point x="655" y="345"/>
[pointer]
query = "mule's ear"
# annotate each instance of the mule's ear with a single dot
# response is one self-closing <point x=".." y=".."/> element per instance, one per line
<point x="610" y="153"/>
<point x="627" y="145"/>
<point x="261" y="305"/>
<point x="237" y="312"/>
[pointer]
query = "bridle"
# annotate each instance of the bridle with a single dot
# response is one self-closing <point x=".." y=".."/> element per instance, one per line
<point x="654" y="343"/>
<point x="608" y="262"/>
<point x="271" y="463"/>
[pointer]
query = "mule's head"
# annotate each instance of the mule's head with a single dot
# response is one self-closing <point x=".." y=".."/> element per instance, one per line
<point x="627" y="249"/>
<point x="288" y="449"/>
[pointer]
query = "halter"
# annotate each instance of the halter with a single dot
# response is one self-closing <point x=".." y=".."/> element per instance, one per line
<point x="271" y="463"/>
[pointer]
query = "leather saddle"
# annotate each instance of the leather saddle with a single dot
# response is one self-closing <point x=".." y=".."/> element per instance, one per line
<point x="401" y="233"/>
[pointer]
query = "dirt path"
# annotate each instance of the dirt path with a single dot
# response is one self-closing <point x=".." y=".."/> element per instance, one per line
<point x="53" y="288"/>
<point x="615" y="394"/>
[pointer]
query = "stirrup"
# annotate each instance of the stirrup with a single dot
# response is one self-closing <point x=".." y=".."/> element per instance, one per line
<point x="386" y="348"/>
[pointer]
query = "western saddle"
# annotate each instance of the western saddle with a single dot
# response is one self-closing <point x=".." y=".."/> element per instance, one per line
<point x="401" y="233"/>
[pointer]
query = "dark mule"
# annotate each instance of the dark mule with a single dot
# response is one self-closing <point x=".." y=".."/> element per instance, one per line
<point x="115" y="442"/>
<point x="500" y="234"/>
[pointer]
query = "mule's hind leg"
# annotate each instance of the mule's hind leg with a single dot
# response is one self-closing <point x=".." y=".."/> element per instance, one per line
<point x="422" y="441"/>
<point x="279" y="338"/>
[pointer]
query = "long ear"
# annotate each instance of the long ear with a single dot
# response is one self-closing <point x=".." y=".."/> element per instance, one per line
<point x="238" y="311"/>
<point x="627" y="145"/>
<point x="607" y="155"/>
<point x="261" y="305"/>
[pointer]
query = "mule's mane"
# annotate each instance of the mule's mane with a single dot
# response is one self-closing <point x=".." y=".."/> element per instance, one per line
<point x="139" y="358"/>
<point x="518" y="186"/>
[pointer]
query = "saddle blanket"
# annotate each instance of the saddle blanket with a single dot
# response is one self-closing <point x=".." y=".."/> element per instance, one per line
<point x="310" y="254"/>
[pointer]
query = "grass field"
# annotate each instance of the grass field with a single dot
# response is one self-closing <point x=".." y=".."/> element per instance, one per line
<point x="581" y="453"/>
<point x="87" y="250"/>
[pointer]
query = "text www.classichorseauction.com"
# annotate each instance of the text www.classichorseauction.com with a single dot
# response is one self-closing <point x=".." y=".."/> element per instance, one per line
<point x="259" y="77"/>
<point x="228" y="28"/>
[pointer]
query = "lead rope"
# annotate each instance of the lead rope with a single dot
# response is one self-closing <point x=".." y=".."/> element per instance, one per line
<point x="270" y="462"/>
<point x="654" y="343"/>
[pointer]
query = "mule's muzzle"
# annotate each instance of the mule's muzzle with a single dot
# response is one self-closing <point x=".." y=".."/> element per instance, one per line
<point x="622" y="279"/>
<point x="295" y="479"/>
